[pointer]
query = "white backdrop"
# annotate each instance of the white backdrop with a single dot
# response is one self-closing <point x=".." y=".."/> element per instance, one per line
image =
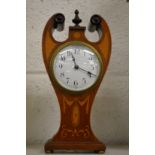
<point x="109" y="116"/>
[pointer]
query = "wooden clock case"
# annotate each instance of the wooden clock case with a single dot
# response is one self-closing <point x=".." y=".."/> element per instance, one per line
<point x="75" y="131"/>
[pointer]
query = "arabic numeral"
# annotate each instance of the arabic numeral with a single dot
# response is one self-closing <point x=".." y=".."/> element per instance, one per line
<point x="84" y="80"/>
<point x="77" y="51"/>
<point x="92" y="67"/>
<point x="67" y="80"/>
<point x="90" y="58"/>
<point x="60" y="66"/>
<point x="68" y="53"/>
<point x="63" y="58"/>
<point x="62" y="74"/>
<point x="75" y="83"/>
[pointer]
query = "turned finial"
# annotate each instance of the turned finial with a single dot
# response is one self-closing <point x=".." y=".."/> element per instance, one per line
<point x="76" y="19"/>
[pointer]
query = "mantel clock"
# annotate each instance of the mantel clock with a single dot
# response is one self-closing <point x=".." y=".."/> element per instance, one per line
<point x="76" y="68"/>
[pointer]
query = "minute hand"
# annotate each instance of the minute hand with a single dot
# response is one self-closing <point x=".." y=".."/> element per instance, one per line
<point x="88" y="72"/>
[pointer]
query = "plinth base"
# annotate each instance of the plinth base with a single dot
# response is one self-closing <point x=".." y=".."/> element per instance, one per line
<point x="51" y="145"/>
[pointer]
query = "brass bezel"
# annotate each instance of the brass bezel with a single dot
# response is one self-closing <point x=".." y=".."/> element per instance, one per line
<point x="75" y="43"/>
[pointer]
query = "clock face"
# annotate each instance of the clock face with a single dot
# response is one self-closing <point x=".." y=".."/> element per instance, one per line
<point x="76" y="67"/>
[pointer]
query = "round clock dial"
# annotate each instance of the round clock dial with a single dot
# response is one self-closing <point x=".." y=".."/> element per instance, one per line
<point x="76" y="67"/>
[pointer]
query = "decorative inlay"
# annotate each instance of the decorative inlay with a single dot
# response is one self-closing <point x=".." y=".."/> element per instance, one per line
<point x="81" y="102"/>
<point x="84" y="132"/>
<point x="75" y="117"/>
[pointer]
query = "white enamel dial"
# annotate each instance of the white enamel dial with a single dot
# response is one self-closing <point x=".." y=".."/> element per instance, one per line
<point x="76" y="67"/>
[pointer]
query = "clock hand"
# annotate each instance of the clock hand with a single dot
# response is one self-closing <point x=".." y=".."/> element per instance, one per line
<point x="88" y="72"/>
<point x="75" y="64"/>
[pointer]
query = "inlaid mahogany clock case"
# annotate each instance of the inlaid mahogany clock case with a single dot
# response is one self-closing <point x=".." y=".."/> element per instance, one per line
<point x="75" y="131"/>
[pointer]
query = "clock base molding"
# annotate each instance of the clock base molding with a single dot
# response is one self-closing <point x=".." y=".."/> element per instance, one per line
<point x="96" y="146"/>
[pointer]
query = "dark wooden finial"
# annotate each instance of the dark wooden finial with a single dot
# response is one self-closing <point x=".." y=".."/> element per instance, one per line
<point x="95" y="23"/>
<point x="59" y="20"/>
<point x="76" y="19"/>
